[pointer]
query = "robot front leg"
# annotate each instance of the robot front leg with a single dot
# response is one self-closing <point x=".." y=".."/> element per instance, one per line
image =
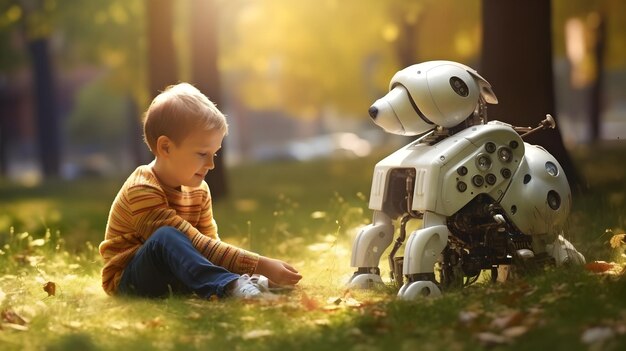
<point x="368" y="247"/>
<point x="420" y="255"/>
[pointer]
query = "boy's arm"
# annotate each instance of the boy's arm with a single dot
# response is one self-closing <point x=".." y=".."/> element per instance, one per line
<point x="150" y="211"/>
<point x="206" y="224"/>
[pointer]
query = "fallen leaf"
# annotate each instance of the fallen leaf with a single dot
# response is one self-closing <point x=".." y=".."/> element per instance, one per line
<point x="14" y="326"/>
<point x="507" y="320"/>
<point x="468" y="317"/>
<point x="603" y="267"/>
<point x="10" y="316"/>
<point x="257" y="333"/>
<point x="37" y="242"/>
<point x="491" y="339"/>
<point x="617" y="240"/>
<point x="50" y="288"/>
<point x="597" y="335"/>
<point x="321" y="322"/>
<point x="308" y="303"/>
<point x="598" y="266"/>
<point x="334" y="300"/>
<point x="153" y="323"/>
<point x="350" y="302"/>
<point x="516" y="331"/>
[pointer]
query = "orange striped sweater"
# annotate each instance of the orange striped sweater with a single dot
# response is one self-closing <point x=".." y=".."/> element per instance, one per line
<point x="143" y="205"/>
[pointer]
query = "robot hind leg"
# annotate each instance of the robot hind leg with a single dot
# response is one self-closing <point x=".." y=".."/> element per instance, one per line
<point x="367" y="248"/>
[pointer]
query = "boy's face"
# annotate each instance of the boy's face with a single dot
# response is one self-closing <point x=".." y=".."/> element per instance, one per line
<point x="190" y="160"/>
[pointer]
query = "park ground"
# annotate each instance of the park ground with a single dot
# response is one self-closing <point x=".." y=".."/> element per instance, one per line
<point x="307" y="214"/>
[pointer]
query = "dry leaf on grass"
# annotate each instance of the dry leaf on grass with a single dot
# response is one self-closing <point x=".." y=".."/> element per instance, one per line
<point x="154" y="323"/>
<point x="257" y="333"/>
<point x="597" y="335"/>
<point x="603" y="267"/>
<point x="515" y="332"/>
<point x="50" y="288"/>
<point x="508" y="320"/>
<point x="492" y="339"/>
<point x="334" y="303"/>
<point x="9" y="316"/>
<point x="308" y="303"/>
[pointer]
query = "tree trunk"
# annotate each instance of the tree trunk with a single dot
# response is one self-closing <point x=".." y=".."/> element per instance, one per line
<point x="205" y="75"/>
<point x="6" y="104"/>
<point x="517" y="61"/>
<point x="595" y="105"/>
<point x="46" y="107"/>
<point x="162" y="70"/>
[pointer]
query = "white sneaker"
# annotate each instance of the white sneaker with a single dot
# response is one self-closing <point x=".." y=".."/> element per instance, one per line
<point x="245" y="288"/>
<point x="263" y="283"/>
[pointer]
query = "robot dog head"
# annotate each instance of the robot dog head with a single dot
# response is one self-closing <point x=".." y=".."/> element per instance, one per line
<point x="430" y="94"/>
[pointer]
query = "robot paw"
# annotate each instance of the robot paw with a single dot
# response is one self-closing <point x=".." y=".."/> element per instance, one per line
<point x="418" y="289"/>
<point x="365" y="281"/>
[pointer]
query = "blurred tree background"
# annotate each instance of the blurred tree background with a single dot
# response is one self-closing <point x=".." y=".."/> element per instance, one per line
<point x="76" y="76"/>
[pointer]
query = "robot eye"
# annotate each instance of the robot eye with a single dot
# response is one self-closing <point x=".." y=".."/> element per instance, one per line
<point x="459" y="86"/>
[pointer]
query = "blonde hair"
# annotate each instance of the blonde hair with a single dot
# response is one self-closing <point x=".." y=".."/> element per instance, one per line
<point x="176" y="111"/>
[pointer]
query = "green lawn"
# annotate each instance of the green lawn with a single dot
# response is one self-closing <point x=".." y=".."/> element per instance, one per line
<point x="306" y="214"/>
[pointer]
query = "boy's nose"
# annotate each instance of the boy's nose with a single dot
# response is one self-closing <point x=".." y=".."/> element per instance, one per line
<point x="209" y="163"/>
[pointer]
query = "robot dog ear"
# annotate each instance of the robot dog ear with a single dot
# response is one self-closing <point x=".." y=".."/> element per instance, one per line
<point x="485" y="88"/>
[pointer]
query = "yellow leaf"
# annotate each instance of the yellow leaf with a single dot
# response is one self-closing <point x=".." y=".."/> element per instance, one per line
<point x="617" y="240"/>
<point x="37" y="242"/>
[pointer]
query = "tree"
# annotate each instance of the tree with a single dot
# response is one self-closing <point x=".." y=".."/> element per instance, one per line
<point x="36" y="30"/>
<point x="205" y="74"/>
<point x="517" y="61"/>
<point x="162" y="63"/>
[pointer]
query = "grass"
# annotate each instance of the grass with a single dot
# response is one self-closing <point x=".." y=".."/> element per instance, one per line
<point x="306" y="214"/>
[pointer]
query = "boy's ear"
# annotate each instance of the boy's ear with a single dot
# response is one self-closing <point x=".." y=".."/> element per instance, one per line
<point x="163" y="145"/>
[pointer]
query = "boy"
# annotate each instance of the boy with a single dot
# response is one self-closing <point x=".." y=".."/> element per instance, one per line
<point x="161" y="236"/>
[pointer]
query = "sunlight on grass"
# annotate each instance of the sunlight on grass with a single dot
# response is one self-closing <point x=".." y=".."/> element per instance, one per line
<point x="79" y="304"/>
<point x="47" y="238"/>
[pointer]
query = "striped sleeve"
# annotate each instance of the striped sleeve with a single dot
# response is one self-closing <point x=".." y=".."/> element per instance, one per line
<point x="206" y="223"/>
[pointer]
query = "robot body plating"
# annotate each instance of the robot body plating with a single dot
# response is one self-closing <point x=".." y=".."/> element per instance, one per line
<point x="453" y="171"/>
<point x="484" y="196"/>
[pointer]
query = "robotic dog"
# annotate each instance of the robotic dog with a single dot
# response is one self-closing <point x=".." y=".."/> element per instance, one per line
<point x="484" y="196"/>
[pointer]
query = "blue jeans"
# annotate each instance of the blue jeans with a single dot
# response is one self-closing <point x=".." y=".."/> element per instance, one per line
<point x="168" y="263"/>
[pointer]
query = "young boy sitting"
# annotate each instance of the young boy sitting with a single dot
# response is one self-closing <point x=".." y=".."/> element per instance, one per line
<point x="161" y="236"/>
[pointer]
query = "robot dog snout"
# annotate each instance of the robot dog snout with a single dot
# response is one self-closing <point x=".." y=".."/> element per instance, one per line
<point x="373" y="112"/>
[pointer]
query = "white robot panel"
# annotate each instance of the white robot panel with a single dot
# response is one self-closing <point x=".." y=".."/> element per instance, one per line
<point x="485" y="166"/>
<point x="480" y="159"/>
<point x="539" y="181"/>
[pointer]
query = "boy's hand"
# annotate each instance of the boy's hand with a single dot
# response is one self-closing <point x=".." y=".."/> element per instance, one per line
<point x="277" y="271"/>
